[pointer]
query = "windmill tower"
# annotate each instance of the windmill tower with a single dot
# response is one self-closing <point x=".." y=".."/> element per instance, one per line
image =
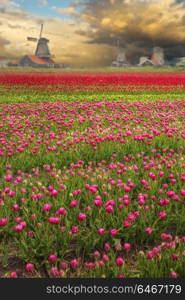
<point x="42" y="49"/>
<point x="158" y="56"/>
<point x="121" y="57"/>
<point x="121" y="60"/>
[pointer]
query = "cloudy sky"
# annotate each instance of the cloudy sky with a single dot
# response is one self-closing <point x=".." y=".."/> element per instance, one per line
<point x="86" y="32"/>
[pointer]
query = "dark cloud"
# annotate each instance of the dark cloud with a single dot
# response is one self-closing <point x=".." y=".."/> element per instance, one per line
<point x="139" y="25"/>
<point x="91" y="38"/>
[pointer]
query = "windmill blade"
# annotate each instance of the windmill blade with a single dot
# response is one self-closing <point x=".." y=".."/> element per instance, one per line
<point x="32" y="39"/>
<point x="41" y="29"/>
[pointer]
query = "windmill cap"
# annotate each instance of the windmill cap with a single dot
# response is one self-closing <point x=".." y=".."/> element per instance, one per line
<point x="43" y="40"/>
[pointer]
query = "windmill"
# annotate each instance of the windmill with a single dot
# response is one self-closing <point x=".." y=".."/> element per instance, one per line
<point x="158" y="56"/>
<point x="121" y="60"/>
<point x="42" y="49"/>
<point x="121" y="57"/>
<point x="42" y="57"/>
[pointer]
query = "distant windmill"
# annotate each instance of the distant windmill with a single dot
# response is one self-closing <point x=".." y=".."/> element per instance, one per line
<point x="42" y="49"/>
<point x="121" y="56"/>
<point x="158" y="58"/>
<point x="121" y="60"/>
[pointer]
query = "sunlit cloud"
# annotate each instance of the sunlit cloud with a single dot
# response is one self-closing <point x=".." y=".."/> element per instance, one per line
<point x="89" y="36"/>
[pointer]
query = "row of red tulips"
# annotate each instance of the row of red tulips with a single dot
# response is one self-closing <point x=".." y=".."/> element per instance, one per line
<point x="93" y="79"/>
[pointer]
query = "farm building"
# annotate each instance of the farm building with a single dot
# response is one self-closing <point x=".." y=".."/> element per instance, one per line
<point x="13" y="63"/>
<point x="36" y="62"/>
<point x="145" y="61"/>
<point x="157" y="58"/>
<point x="180" y="62"/>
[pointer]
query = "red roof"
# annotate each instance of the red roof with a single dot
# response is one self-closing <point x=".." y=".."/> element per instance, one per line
<point x="40" y="61"/>
<point x="14" y="62"/>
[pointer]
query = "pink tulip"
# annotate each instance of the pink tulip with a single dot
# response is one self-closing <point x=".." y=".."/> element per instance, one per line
<point x="29" y="267"/>
<point x="120" y="261"/>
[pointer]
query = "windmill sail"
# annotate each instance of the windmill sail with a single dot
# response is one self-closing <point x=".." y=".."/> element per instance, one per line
<point x="31" y="39"/>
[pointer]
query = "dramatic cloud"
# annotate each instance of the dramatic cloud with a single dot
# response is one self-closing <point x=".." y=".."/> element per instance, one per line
<point x="91" y="34"/>
<point x="137" y="24"/>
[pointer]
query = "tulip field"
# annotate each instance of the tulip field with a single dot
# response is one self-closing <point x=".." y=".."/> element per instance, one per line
<point x="92" y="174"/>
